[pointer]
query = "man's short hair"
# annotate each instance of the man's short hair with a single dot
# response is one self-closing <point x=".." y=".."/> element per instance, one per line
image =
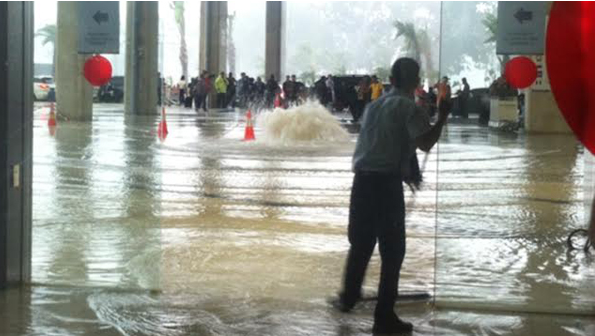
<point x="405" y="73"/>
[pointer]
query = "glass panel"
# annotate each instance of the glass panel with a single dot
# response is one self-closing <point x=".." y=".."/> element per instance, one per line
<point x="96" y="213"/>
<point x="508" y="196"/>
<point x="247" y="24"/>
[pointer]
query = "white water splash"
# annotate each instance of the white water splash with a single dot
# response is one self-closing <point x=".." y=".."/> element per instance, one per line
<point x="310" y="122"/>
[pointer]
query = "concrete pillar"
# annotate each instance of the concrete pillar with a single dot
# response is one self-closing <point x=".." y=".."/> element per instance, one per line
<point x="74" y="95"/>
<point x="142" y="53"/>
<point x="542" y="113"/>
<point x="202" y="43"/>
<point x="16" y="137"/>
<point x="213" y="36"/>
<point x="275" y="39"/>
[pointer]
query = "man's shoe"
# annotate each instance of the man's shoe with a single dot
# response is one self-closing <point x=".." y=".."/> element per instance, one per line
<point x="391" y="325"/>
<point x="339" y="304"/>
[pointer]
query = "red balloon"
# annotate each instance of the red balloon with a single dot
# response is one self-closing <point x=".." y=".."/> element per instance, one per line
<point x="520" y="72"/>
<point x="570" y="60"/>
<point x="98" y="70"/>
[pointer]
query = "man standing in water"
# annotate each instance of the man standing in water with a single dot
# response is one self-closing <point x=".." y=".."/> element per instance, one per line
<point x="392" y="128"/>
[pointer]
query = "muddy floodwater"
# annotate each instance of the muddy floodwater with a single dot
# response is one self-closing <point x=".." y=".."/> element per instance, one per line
<point x="204" y="234"/>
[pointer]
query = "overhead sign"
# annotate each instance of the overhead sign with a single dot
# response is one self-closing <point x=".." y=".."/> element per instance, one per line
<point x="99" y="27"/>
<point x="521" y="27"/>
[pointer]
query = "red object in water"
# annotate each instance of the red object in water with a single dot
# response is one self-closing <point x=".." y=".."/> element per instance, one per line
<point x="52" y="116"/>
<point x="162" y="127"/>
<point x="520" y="72"/>
<point x="98" y="70"/>
<point x="570" y="60"/>
<point x="249" y="133"/>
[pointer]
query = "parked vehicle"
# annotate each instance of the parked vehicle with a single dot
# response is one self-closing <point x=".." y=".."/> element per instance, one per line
<point x="44" y="88"/>
<point x="478" y="103"/>
<point x="112" y="92"/>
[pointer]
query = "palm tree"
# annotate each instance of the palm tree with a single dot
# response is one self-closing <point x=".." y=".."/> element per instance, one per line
<point x="48" y="33"/>
<point x="407" y="31"/>
<point x="490" y="22"/>
<point x="179" y="10"/>
<point x="418" y="43"/>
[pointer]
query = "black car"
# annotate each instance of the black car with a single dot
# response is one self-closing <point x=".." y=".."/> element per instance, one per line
<point x="112" y="92"/>
<point x="478" y="103"/>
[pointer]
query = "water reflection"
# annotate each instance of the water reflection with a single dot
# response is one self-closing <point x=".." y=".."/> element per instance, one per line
<point x="234" y="232"/>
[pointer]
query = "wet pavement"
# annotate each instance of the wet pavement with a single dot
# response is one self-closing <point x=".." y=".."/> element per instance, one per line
<point x="203" y="234"/>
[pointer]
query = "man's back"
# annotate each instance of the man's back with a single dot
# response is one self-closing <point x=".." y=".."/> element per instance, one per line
<point x="389" y="126"/>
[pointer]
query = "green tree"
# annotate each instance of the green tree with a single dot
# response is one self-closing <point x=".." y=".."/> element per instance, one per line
<point x="383" y="73"/>
<point x="179" y="11"/>
<point x="418" y="44"/>
<point x="48" y="34"/>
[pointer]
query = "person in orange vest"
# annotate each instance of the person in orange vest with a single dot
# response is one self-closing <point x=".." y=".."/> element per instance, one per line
<point x="376" y="87"/>
<point x="444" y="92"/>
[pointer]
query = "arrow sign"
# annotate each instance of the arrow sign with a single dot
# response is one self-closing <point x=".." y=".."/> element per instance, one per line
<point x="520" y="28"/>
<point x="101" y="17"/>
<point x="522" y="15"/>
<point x="98" y="27"/>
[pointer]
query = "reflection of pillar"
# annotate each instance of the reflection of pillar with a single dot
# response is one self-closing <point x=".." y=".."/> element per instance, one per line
<point x="142" y="29"/>
<point x="16" y="110"/>
<point x="213" y="36"/>
<point x="542" y="113"/>
<point x="274" y="39"/>
<point x="74" y="95"/>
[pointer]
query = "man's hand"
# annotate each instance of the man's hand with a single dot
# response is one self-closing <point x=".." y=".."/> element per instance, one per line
<point x="444" y="108"/>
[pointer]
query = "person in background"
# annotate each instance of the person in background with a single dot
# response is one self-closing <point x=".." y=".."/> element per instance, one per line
<point x="464" y="98"/>
<point x="321" y="89"/>
<point x="288" y="88"/>
<point x="376" y="88"/>
<point x="241" y="89"/>
<point x="209" y="87"/>
<point x="271" y="91"/>
<point x="294" y="90"/>
<point x="221" y="90"/>
<point x="364" y="95"/>
<point x="200" y="93"/>
<point x="421" y="97"/>
<point x="392" y="129"/>
<point x="444" y="91"/>
<point x="330" y="85"/>
<point x="182" y="87"/>
<point x="259" y="90"/>
<point x="231" y="91"/>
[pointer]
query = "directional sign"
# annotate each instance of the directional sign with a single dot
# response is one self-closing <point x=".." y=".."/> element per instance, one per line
<point x="99" y="27"/>
<point x="521" y="27"/>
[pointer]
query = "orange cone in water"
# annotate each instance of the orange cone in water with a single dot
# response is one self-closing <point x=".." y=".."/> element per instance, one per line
<point x="249" y="133"/>
<point x="162" y="128"/>
<point x="52" y="120"/>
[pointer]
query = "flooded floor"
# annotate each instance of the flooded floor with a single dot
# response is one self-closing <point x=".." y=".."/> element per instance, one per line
<point x="204" y="234"/>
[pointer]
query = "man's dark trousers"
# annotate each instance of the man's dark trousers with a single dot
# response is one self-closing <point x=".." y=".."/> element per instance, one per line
<point x="376" y="213"/>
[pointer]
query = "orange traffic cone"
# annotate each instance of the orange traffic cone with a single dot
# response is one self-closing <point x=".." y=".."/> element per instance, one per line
<point x="162" y="128"/>
<point x="52" y="120"/>
<point x="249" y="133"/>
